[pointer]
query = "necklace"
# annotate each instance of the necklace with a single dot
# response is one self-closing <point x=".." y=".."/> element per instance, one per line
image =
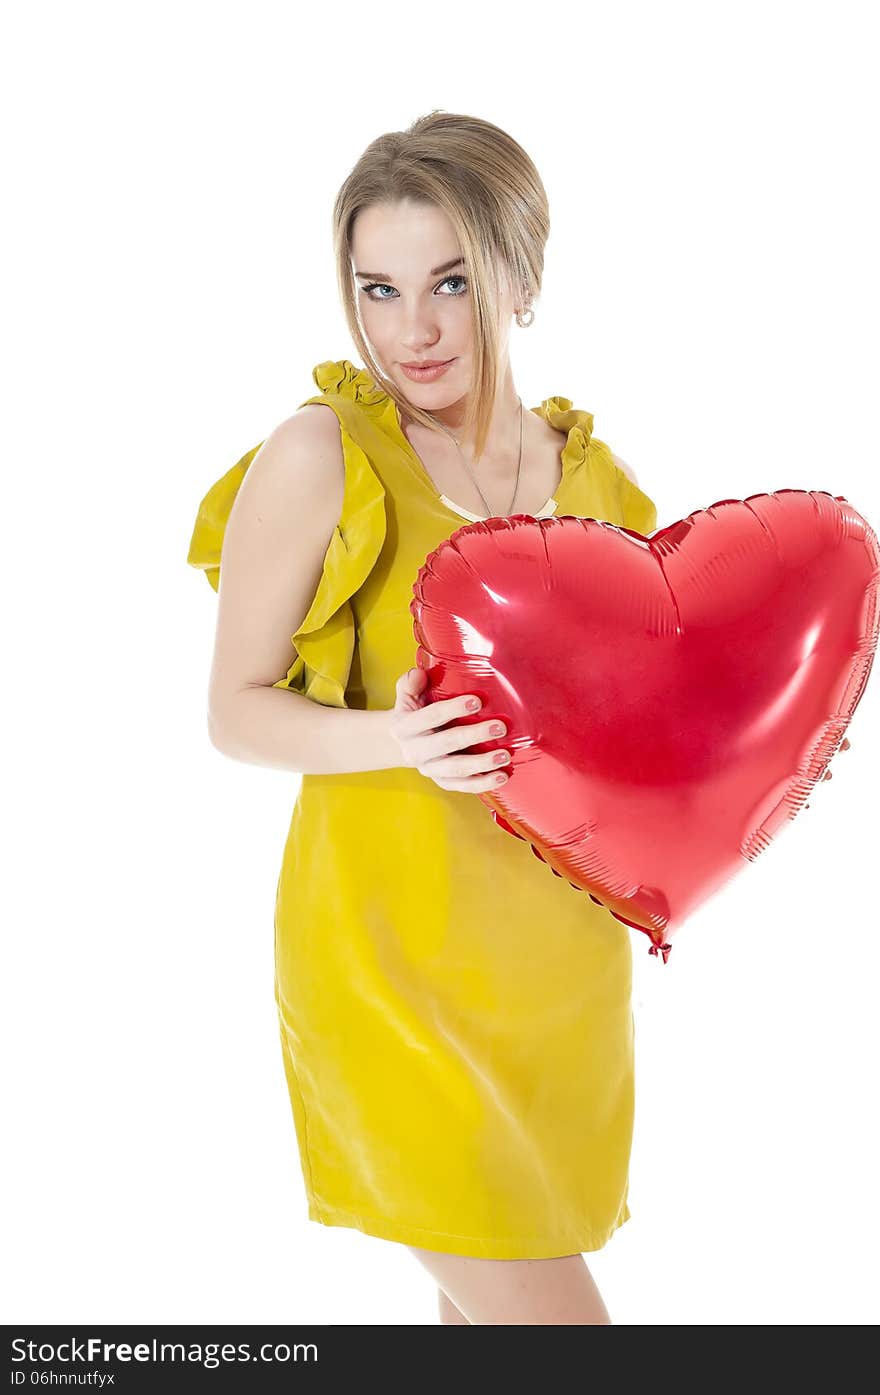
<point x="489" y="513"/>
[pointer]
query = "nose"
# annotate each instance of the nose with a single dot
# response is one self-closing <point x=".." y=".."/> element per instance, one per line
<point x="420" y="337"/>
<point x="418" y="346"/>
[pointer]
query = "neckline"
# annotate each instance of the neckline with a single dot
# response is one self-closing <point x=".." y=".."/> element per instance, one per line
<point x="545" y="411"/>
<point x="545" y="511"/>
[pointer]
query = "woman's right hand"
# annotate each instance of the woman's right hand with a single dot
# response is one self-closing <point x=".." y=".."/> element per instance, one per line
<point x="415" y="725"/>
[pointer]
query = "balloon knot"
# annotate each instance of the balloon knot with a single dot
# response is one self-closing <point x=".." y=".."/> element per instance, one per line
<point x="661" y="949"/>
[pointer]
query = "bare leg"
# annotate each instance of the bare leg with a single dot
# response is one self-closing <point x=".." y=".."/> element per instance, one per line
<point x="507" y="1292"/>
<point x="449" y="1314"/>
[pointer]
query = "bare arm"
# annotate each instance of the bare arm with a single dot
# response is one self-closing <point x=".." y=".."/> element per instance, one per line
<point x="278" y="531"/>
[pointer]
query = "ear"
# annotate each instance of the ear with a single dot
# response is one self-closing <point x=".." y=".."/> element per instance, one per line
<point x="622" y="465"/>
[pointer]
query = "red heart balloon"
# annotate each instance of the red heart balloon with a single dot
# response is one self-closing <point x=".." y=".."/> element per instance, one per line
<point x="670" y="701"/>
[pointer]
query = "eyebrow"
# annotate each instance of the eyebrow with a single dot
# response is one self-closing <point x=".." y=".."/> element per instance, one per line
<point x="435" y="271"/>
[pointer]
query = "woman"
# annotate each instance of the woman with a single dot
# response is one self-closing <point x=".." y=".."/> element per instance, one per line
<point x="456" y="1022"/>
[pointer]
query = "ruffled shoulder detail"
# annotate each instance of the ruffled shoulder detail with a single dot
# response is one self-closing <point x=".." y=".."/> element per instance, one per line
<point x="340" y="378"/>
<point x="324" y="643"/>
<point x="636" y="510"/>
<point x="206" y="542"/>
<point x="563" y="416"/>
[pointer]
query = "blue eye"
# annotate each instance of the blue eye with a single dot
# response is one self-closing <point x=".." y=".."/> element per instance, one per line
<point x="380" y="285"/>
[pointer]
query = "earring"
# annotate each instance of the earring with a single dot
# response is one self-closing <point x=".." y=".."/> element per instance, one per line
<point x="524" y="324"/>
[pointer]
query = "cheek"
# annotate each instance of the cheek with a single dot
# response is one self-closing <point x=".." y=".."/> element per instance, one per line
<point x="376" y="326"/>
<point x="380" y="318"/>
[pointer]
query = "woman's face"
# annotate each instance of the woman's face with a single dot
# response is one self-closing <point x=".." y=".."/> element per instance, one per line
<point x="414" y="300"/>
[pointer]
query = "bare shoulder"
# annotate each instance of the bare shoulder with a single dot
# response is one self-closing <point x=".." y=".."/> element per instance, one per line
<point x="300" y="465"/>
<point x="278" y="532"/>
<point x="627" y="469"/>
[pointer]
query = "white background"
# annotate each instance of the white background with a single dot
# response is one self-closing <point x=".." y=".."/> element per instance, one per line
<point x="711" y="295"/>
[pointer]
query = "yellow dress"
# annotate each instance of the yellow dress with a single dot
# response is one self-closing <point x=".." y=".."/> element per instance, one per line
<point x="456" y="1022"/>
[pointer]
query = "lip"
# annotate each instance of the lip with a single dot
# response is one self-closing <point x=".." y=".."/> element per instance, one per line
<point x="426" y="372"/>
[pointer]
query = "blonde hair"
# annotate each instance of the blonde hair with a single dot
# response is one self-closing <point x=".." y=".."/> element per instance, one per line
<point x="493" y="195"/>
